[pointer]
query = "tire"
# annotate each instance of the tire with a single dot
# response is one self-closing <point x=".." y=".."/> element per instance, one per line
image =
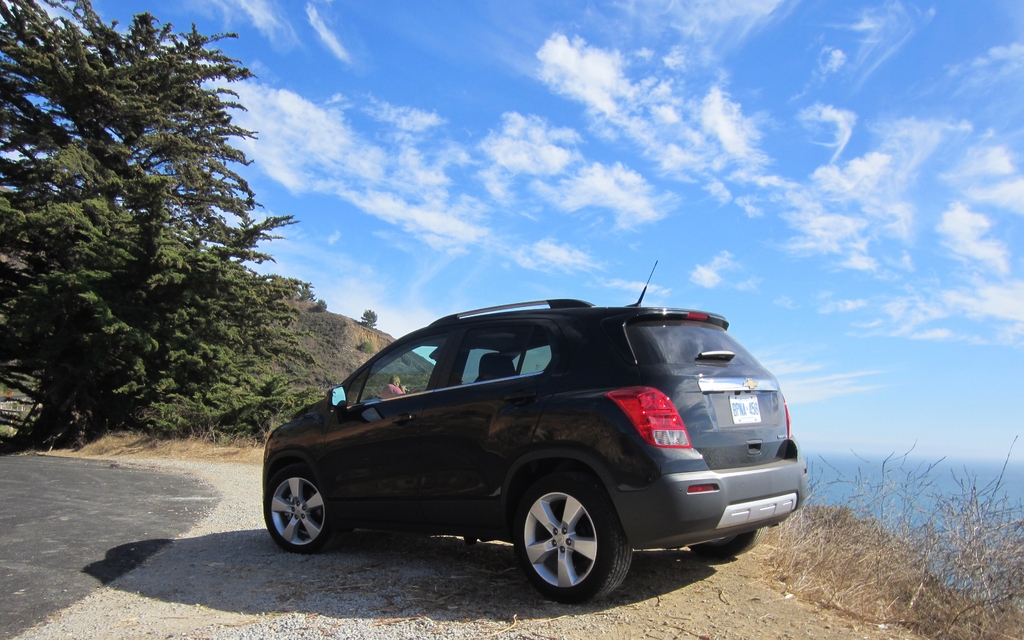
<point x="569" y="540"/>
<point x="731" y="546"/>
<point x="294" y="510"/>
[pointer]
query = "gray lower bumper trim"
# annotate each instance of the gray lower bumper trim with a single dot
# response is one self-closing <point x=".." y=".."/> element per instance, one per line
<point x="757" y="510"/>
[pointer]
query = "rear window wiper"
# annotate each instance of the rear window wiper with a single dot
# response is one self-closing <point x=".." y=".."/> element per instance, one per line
<point x="718" y="356"/>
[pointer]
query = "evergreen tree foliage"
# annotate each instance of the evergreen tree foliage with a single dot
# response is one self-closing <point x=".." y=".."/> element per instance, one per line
<point x="127" y="299"/>
<point x="369" y="319"/>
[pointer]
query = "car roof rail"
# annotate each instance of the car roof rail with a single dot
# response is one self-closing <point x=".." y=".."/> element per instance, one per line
<point x="557" y="303"/>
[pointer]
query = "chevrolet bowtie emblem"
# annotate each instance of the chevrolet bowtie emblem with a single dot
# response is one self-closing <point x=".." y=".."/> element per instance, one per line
<point x="750" y="384"/>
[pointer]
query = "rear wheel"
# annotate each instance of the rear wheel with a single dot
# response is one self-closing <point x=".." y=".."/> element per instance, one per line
<point x="730" y="546"/>
<point x="294" y="510"/>
<point x="569" y="540"/>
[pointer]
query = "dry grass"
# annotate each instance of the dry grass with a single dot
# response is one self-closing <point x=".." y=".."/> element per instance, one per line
<point x="141" y="446"/>
<point x="898" y="552"/>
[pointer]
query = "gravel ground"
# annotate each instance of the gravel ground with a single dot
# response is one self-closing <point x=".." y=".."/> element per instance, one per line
<point x="226" y="579"/>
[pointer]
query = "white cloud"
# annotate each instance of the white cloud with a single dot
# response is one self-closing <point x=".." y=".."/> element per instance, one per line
<point x="786" y="303"/>
<point x="299" y="142"/>
<point x="999" y="64"/>
<point x="719" y="191"/>
<point x="681" y="134"/>
<point x="830" y="60"/>
<point x="709" y="275"/>
<point x="842" y="306"/>
<point x="618" y="188"/>
<point x="910" y="312"/>
<point x="589" y="74"/>
<point x="987" y="174"/>
<point x="1008" y="194"/>
<point x="713" y="24"/>
<point x="1000" y="301"/>
<point x="405" y="118"/>
<point x="841" y="119"/>
<point x="263" y="14"/>
<point x="635" y="286"/>
<point x="883" y="30"/>
<point x="723" y="118"/>
<point x="675" y="59"/>
<point x="548" y="254"/>
<point x="445" y="226"/>
<point x="748" y="206"/>
<point x="526" y="144"/>
<point x="334" y="237"/>
<point x="962" y="232"/>
<point x="933" y="334"/>
<point x="806" y="390"/>
<point x="309" y="147"/>
<point x="984" y="161"/>
<point x="846" y="207"/>
<point x="327" y="36"/>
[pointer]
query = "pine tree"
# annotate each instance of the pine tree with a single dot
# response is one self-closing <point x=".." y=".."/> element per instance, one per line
<point x="369" y="319"/>
<point x="127" y="296"/>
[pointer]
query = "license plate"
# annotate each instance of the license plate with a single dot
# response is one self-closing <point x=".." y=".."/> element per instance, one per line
<point x="745" y="409"/>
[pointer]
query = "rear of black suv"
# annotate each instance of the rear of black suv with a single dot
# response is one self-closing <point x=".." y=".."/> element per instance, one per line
<point x="748" y="475"/>
<point x="576" y="432"/>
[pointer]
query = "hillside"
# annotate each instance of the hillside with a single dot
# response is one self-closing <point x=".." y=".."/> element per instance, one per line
<point x="337" y="343"/>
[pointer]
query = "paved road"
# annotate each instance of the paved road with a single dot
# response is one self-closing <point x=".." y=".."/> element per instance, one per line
<point x="71" y="525"/>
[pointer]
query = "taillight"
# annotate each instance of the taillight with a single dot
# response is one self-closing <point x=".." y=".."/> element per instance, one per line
<point x="653" y="415"/>
<point x="789" y="429"/>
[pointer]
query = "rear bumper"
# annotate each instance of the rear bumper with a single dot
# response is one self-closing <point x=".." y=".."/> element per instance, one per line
<point x="665" y="515"/>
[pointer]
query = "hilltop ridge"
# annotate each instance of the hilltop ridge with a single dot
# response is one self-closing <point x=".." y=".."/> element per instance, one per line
<point x="337" y="343"/>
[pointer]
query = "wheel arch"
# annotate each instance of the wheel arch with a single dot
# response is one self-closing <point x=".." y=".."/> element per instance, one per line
<point x="534" y="466"/>
<point x="282" y="459"/>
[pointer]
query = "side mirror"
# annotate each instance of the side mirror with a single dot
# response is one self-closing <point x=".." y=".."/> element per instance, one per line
<point x="338" y="398"/>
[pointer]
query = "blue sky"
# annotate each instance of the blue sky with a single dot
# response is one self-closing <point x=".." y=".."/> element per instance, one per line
<point x="843" y="181"/>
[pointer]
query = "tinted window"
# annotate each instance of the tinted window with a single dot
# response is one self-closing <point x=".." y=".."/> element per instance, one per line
<point x="492" y="353"/>
<point x="679" y="342"/>
<point x="405" y="370"/>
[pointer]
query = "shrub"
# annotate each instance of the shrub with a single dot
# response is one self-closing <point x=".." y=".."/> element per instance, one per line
<point x="899" y="551"/>
<point x="366" y="347"/>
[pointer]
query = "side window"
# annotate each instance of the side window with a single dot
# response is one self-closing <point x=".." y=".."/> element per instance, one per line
<point x="405" y="370"/>
<point x="356" y="387"/>
<point x="492" y="353"/>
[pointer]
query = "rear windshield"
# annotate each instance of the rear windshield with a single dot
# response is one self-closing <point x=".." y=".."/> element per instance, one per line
<point x="680" y="342"/>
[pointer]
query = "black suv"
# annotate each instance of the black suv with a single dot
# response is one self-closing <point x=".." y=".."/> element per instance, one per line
<point x="578" y="433"/>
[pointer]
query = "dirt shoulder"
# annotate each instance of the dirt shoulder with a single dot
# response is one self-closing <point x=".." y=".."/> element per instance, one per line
<point x="226" y="579"/>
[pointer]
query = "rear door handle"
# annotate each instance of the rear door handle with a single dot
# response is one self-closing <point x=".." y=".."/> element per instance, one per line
<point x="522" y="396"/>
<point x="405" y="417"/>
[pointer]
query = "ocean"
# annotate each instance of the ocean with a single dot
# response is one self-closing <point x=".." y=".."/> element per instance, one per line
<point x="836" y="477"/>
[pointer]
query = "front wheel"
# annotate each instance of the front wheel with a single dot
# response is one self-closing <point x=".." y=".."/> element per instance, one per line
<point x="731" y="546"/>
<point x="294" y="510"/>
<point x="568" y="538"/>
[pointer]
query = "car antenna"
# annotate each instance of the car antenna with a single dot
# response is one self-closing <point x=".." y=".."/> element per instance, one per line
<point x="642" y="293"/>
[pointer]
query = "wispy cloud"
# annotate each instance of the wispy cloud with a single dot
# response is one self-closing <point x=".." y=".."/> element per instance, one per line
<point x="962" y="231"/>
<point x="988" y="175"/>
<point x="844" y="208"/>
<point x="616" y="188"/>
<point x="842" y="306"/>
<point x="883" y="31"/>
<point x="311" y="147"/>
<point x="711" y="26"/>
<point x="550" y="255"/>
<point x="841" y="119"/>
<point x="263" y="14"/>
<point x="327" y="36"/>
<point x="636" y="286"/>
<point x="526" y="145"/>
<point x="804" y="390"/>
<point x="405" y="118"/>
<point x="710" y="275"/>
